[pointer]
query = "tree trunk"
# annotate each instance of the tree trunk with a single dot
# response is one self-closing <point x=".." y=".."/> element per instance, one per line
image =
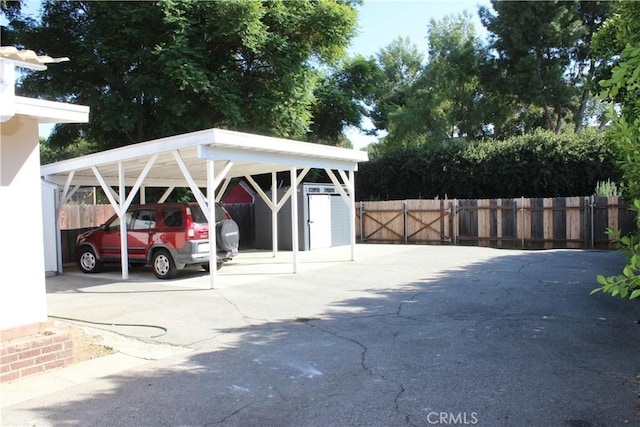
<point x="579" y="118"/>
<point x="547" y="117"/>
<point x="558" y="127"/>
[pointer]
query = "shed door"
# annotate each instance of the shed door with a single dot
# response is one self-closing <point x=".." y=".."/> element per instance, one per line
<point x="319" y="221"/>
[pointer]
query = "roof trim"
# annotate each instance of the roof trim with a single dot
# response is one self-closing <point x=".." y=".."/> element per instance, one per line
<point x="50" y="111"/>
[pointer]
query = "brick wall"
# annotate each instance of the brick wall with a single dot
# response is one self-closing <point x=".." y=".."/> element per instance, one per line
<point x="41" y="349"/>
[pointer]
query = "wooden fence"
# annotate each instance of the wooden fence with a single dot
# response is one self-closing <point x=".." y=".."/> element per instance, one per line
<point x="540" y="223"/>
<point x="567" y="222"/>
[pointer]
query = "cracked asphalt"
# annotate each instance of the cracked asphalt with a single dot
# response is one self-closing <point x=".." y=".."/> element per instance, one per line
<point x="403" y="336"/>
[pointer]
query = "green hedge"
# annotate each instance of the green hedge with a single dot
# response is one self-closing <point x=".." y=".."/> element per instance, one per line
<point x="541" y="164"/>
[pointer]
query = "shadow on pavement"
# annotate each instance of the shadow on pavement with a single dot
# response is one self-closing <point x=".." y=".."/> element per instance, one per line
<point x="515" y="340"/>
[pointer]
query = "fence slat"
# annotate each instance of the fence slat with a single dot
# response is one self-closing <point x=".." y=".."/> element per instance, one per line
<point x="560" y="222"/>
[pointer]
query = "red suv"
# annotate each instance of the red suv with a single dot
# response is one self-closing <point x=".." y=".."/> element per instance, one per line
<point x="168" y="236"/>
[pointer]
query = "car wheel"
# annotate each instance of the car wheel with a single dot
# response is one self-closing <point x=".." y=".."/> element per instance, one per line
<point x="206" y="268"/>
<point x="163" y="265"/>
<point x="87" y="260"/>
<point x="227" y="235"/>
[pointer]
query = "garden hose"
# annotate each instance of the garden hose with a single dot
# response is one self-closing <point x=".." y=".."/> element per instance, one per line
<point x="116" y="324"/>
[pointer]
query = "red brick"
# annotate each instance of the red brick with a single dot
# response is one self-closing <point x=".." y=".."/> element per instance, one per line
<point x="52" y="348"/>
<point x="22" y="346"/>
<point x="68" y="345"/>
<point x="32" y="370"/>
<point x="64" y="353"/>
<point x="10" y="358"/>
<point x="54" y="364"/>
<point x="22" y="364"/>
<point x="5" y="368"/>
<point x="61" y="337"/>
<point x="10" y="376"/>
<point x="42" y="342"/>
<point x="46" y="358"/>
<point x="29" y="353"/>
<point x="10" y="349"/>
<point x="67" y="360"/>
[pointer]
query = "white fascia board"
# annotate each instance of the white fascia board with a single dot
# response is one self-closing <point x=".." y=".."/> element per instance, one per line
<point x="275" y="158"/>
<point x="141" y="149"/>
<point x="50" y="111"/>
<point x="129" y="182"/>
<point x="231" y="139"/>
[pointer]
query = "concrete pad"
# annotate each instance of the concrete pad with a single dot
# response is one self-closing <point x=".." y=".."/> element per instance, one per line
<point x="405" y="335"/>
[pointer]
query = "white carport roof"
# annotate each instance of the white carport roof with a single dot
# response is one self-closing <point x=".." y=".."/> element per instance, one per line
<point x="250" y="154"/>
<point x="207" y="159"/>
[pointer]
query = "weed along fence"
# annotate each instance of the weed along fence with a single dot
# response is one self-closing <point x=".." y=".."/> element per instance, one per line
<point x="561" y="222"/>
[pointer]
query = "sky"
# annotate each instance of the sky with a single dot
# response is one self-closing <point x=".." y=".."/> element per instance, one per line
<point x="380" y="22"/>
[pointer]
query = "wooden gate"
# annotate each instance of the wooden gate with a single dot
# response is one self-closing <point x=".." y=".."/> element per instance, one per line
<point x="409" y="221"/>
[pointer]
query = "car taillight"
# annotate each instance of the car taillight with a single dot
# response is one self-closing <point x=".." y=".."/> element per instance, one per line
<point x="191" y="232"/>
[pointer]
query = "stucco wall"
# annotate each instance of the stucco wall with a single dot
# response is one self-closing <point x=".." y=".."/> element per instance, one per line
<point x="22" y="280"/>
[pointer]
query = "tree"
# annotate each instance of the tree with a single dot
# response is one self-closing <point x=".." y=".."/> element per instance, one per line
<point x="343" y="98"/>
<point x="443" y="99"/>
<point x="543" y="54"/>
<point x="400" y="66"/>
<point x="155" y="68"/>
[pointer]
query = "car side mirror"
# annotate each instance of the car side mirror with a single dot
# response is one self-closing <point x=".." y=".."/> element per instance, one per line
<point x="103" y="227"/>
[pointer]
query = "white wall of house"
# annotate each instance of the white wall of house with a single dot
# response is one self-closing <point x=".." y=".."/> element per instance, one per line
<point x="52" y="248"/>
<point x="22" y="279"/>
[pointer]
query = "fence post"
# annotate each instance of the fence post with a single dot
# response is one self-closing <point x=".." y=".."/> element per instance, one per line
<point x="405" y="211"/>
<point x="592" y="207"/>
<point x="522" y="228"/>
<point x="362" y="239"/>
<point x="454" y="219"/>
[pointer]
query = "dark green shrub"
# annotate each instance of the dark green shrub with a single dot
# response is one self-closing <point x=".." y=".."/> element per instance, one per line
<point x="540" y="164"/>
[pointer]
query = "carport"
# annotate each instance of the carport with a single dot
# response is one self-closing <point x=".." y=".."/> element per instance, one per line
<point x="206" y="159"/>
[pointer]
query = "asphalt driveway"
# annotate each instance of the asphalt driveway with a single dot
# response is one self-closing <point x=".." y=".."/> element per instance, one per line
<point x="404" y="336"/>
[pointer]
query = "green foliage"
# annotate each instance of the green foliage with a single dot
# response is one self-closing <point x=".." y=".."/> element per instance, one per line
<point x="153" y="69"/>
<point x="541" y="164"/>
<point x="400" y="65"/>
<point x="342" y="99"/>
<point x="52" y="153"/>
<point x="533" y="40"/>
<point x="626" y="284"/>
<point x="607" y="188"/>
<point x="621" y="32"/>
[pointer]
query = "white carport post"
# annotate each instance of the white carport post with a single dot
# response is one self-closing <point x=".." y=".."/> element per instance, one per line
<point x="274" y="213"/>
<point x="211" y="201"/>
<point x="294" y="217"/>
<point x="122" y="213"/>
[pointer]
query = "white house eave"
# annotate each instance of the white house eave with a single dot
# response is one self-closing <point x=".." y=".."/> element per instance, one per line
<point x="50" y="111"/>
